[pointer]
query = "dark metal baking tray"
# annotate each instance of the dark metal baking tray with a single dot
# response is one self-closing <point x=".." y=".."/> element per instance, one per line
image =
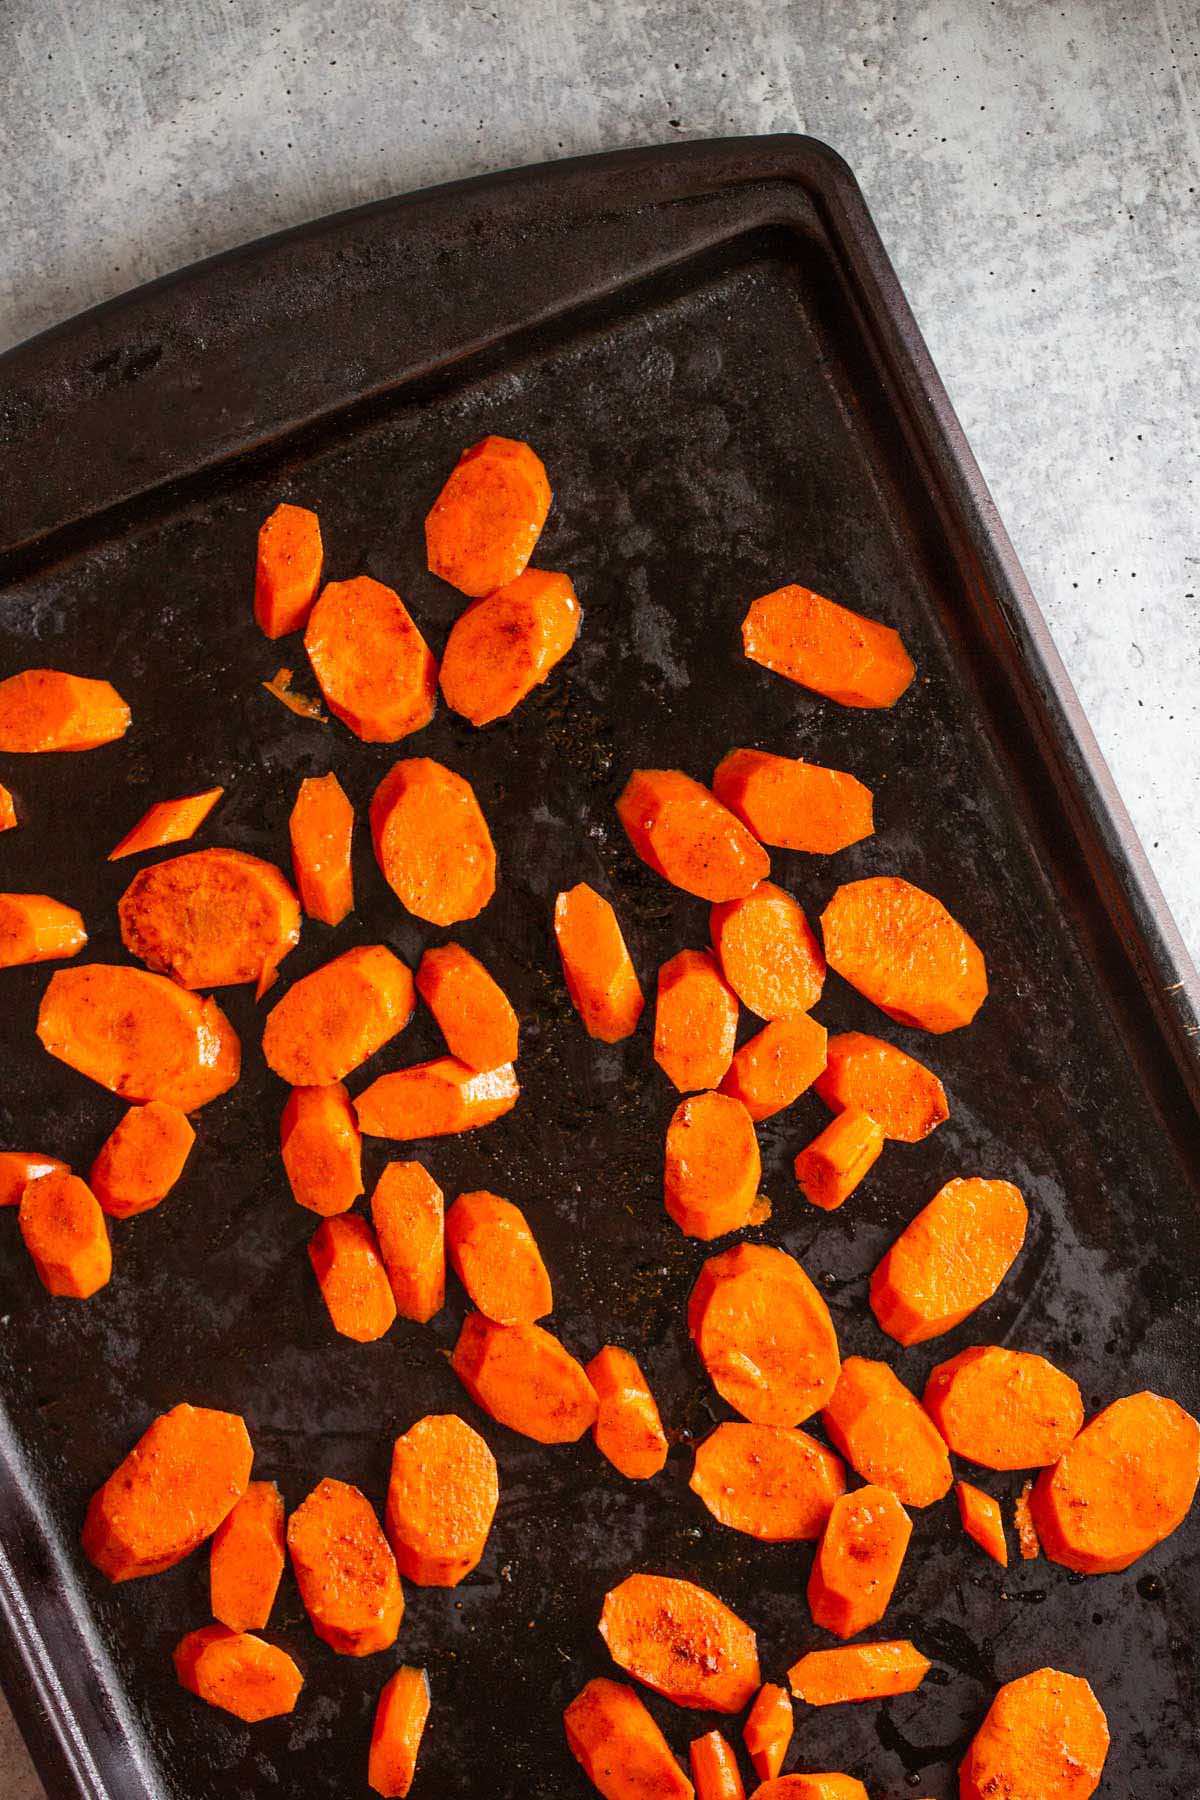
<point x="708" y="347"/>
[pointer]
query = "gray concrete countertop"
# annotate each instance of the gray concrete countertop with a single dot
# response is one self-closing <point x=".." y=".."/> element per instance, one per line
<point x="1033" y="168"/>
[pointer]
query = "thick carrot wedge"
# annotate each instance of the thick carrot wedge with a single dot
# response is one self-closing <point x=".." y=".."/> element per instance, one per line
<point x="901" y="949"/>
<point x="44" y="709"/>
<point x="142" y="1159"/>
<point x="400" y="1719"/>
<point x="167" y="822"/>
<point x="506" y="643"/>
<point x="334" y="1019"/>
<point x="442" y="1498"/>
<point x="681" y="1641"/>
<point x="238" y="1672"/>
<point x="495" y="1256"/>
<point x="19" y="1167"/>
<point x="777" y="1065"/>
<point x="525" y="1379"/>
<point x="183" y="1476"/>
<point x="858" y="1561"/>
<point x="680" y="829"/>
<point x="140" y="1035"/>
<point x="949" y="1260"/>
<point x="905" y="1099"/>
<point x="826" y="647"/>
<point x="885" y="1433"/>
<point x="597" y="966"/>
<point x="34" y="928"/>
<point x="246" y="1560"/>
<point x="436" y="1099"/>
<point x="287" y="572"/>
<point x="344" y="1253"/>
<point x="473" y="1012"/>
<point x="628" y="1429"/>
<point x="345" y="1571"/>
<point x="321" y="827"/>
<point x="695" y="1021"/>
<point x="764" y="1334"/>
<point x="768" y="953"/>
<point x="712" y="1168"/>
<point x="982" y="1520"/>
<point x="1004" y="1409"/>
<point x="1045" y="1737"/>
<point x="432" y="841"/>
<point x="210" y="918"/>
<point x="65" y="1234"/>
<point x="830" y="1168"/>
<point x="620" y="1747"/>
<point x="714" y="1768"/>
<point x="372" y="665"/>
<point x="322" y="1149"/>
<point x="768" y="1730"/>
<point x="860" y="1672"/>
<point x="794" y="805"/>
<point x="812" y="1787"/>
<point x="407" y="1211"/>
<point x="481" y="530"/>
<point x="771" y="1482"/>
<point x="8" y="810"/>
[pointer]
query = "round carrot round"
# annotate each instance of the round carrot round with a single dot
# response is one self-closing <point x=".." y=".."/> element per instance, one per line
<point x="768" y="952"/>
<point x="432" y="842"/>
<point x="859" y="1672"/>
<point x="482" y="528"/>
<point x="321" y="827"/>
<point x="777" y="1065"/>
<point x="596" y="963"/>
<point x="400" y="1719"/>
<point x="19" y="1167"/>
<point x="905" y="953"/>
<point x="619" y="1746"/>
<point x="246" y="1559"/>
<point x="495" y="1256"/>
<point x="344" y="1253"/>
<point x="713" y="1168"/>
<point x="885" y="1434"/>
<point x="46" y="710"/>
<point x="681" y="831"/>
<point x="1004" y="1409"/>
<point x="35" y="928"/>
<point x="474" y="1014"/>
<point x="322" y="1149"/>
<point x="628" y="1429"/>
<point x="142" y="1159"/>
<point x="769" y="1481"/>
<point x="506" y="644"/>
<point x="210" y="918"/>
<point x="949" y="1260"/>
<point x="1045" y="1737"/>
<point x="345" y="1570"/>
<point x="768" y="1730"/>
<point x="287" y="570"/>
<point x="372" y="665"/>
<point x="407" y="1213"/>
<point x="906" y="1100"/>
<point x="238" y="1672"/>
<point x="764" y="1334"/>
<point x="525" y="1379"/>
<point x="436" y="1099"/>
<point x="695" y="1021"/>
<point x="858" y="1561"/>
<point x="794" y="805"/>
<point x="140" y="1035"/>
<point x="812" y="1787"/>
<point x="64" y="1231"/>
<point x="334" y="1019"/>
<point x="681" y="1641"/>
<point x="442" y="1498"/>
<point x="826" y="647"/>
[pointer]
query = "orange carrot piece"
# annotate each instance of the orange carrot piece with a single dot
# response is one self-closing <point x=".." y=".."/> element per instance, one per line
<point x="481" y="530"/>
<point x="949" y="1260"/>
<point x="1004" y="1409"/>
<point x="321" y="827"/>
<point x="400" y="1719"/>
<point x="45" y="709"/>
<point x="695" y="1021"/>
<point x="140" y="1035"/>
<point x="245" y="1562"/>
<point x="597" y="966"/>
<point x="826" y="647"/>
<point x="210" y="918"/>
<point x="142" y="1159"/>
<point x="495" y="1256"/>
<point x="628" y="1429"/>
<point x="474" y="1014"/>
<point x="407" y="1212"/>
<point x="186" y="1472"/>
<point x="344" y="1253"/>
<point x="906" y="1100"/>
<point x="680" y="830"/>
<point x="768" y="1481"/>
<point x="982" y="1521"/>
<point x="620" y="1747"/>
<point x="8" y="809"/>
<point x="238" y="1672"/>
<point x="812" y="1787"/>
<point x="885" y="1433"/>
<point x="34" y="928"/>
<point x="525" y="1379"/>
<point x="1126" y="1483"/>
<point x="436" y="1099"/>
<point x="764" y="1334"/>
<point x="830" y="1168"/>
<point x="442" y="1498"/>
<point x="167" y="822"/>
<point x="19" y="1167"/>
<point x="322" y="1149"/>
<point x="768" y="1730"/>
<point x="681" y="1641"/>
<point x="768" y="953"/>
<point x="714" y="1768"/>
<point x="1027" y="1537"/>
<point x="905" y="953"/>
<point x="334" y="1019"/>
<point x="373" y="667"/>
<point x="712" y="1168"/>
<point x="794" y="805"/>
<point x="859" y="1672"/>
<point x="1045" y="1737"/>
<point x="432" y="842"/>
<point x="506" y="643"/>
<point x="280" y="685"/>
<point x="65" y="1234"/>
<point x="773" y="1068"/>
<point x="345" y="1570"/>
<point x="287" y="571"/>
<point x="858" y="1561"/>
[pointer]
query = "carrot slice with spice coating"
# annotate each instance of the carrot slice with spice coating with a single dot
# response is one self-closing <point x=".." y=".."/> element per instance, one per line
<point x="287" y="571"/>
<point x="142" y="1159"/>
<point x="436" y="1099"/>
<point x="826" y="647"/>
<point x="905" y="953"/>
<point x="506" y="643"/>
<point x="949" y="1260"/>
<point x="65" y="1234"/>
<point x="525" y="1379"/>
<point x="34" y="928"/>
<point x="321" y="827"/>
<point x="8" y="810"/>
<point x="628" y="1429"/>
<point x="768" y="1730"/>
<point x="245" y="1562"/>
<point x="345" y="1570"/>
<point x="858" y="1561"/>
<point x="596" y="963"/>
<point x="681" y="1641"/>
<point x="714" y="1768"/>
<point x="764" y="1334"/>
<point x="794" y="805"/>
<point x="812" y="1787"/>
<point x="167" y="822"/>
<point x="334" y="1019"/>
<point x="238" y="1672"/>
<point x="1004" y="1409"/>
<point x="713" y="1168"/>
<point x="474" y="1014"/>
<point x="1045" y="1737"/>
<point x="495" y="1256"/>
<point x="140" y="1035"/>
<point x="768" y="1481"/>
<point x="906" y="1100"/>
<point x="442" y="1498"/>
<point x="481" y="530"/>
<point x="830" y="1168"/>
<point x="768" y="952"/>
<point x="210" y="918"/>
<point x="46" y="710"/>
<point x="400" y="1719"/>
<point x="773" y="1068"/>
<point x="344" y="1253"/>
<point x="407" y="1212"/>
<point x="432" y="841"/>
<point x="620" y="1747"/>
<point x="372" y="665"/>
<point x="19" y="1167"/>
<point x="885" y="1433"/>
<point x="860" y="1672"/>
<point x="680" y="830"/>
<point x="695" y="1021"/>
<point x="322" y="1149"/>
<point x="982" y="1521"/>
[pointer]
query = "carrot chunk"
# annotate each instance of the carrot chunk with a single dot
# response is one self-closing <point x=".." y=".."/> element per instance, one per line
<point x="812" y="1787"/>
<point x="474" y="1014"/>
<point x="400" y="1719"/>
<point x="885" y="1433"/>
<point x="345" y="1571"/>
<point x="321" y="827"/>
<point x="714" y="1768"/>
<point x="826" y="647"/>
<point x="712" y="1168"/>
<point x="1126" y="1483"/>
<point x="695" y="1021"/>
<point x="140" y="1035"/>
<point x="858" y="1561"/>
<point x="238" y="1672"/>
<point x="680" y="829"/>
<point x="481" y="530"/>
<point x="8" y="810"/>
<point x="287" y="571"/>
<point x="334" y="1019"/>
<point x="949" y="1260"/>
<point x="506" y="643"/>
<point x="407" y="1212"/>
<point x="432" y="842"/>
<point x="905" y="953"/>
<point x="620" y="1747"/>
<point x="442" y="1498"/>
<point x="210" y="918"/>
<point x="597" y="966"/>
<point x="45" y="709"/>
<point x="764" y="1334"/>
<point x="982" y="1521"/>
<point x="525" y="1379"/>
<point x="495" y="1256"/>
<point x="768" y="1481"/>
<point x="628" y="1429"/>
<point x="1045" y="1737"/>
<point x="860" y="1672"/>
<point x="681" y="1641"/>
<point x="768" y="1730"/>
<point x="167" y="822"/>
<point x="246" y="1560"/>
<point x="794" y="805"/>
<point x="768" y="953"/>
<point x="65" y="1234"/>
<point x="436" y="1099"/>
<point x="906" y="1100"/>
<point x="34" y="928"/>
<point x="344" y="1253"/>
<point x="372" y="665"/>
<point x="19" y="1167"/>
<point x="830" y="1168"/>
<point x="1004" y="1409"/>
<point x="186" y="1472"/>
<point x="142" y="1159"/>
<point x="775" y="1067"/>
<point x="322" y="1149"/>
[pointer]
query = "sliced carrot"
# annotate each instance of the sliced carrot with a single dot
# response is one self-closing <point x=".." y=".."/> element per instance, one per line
<point x="949" y="1260"/>
<point x="140" y="1035"/>
<point x="764" y="1334"/>
<point x="474" y="1014"/>
<point x="885" y="1433"/>
<point x="167" y="822"/>
<point x="442" y="1498"/>
<point x="1045" y="1737"/>
<point x="280" y="685"/>
<point x="773" y="1068"/>
<point x="432" y="842"/>
<point x="436" y="1099"/>
<point x="812" y="1787"/>
<point x="769" y="1481"/>
<point x="768" y="953"/>
<point x="321" y="827"/>
<point x="714" y="1768"/>
<point x="287" y="573"/>
<point x="681" y="1641"/>
<point x="768" y="1730"/>
<point x="238" y="1672"/>
<point x="712" y="1169"/>
<point x="210" y="918"/>
<point x="620" y="1747"/>
<point x="982" y="1521"/>
<point x="334" y="1019"/>
<point x="246" y="1559"/>
<point x="345" y="1571"/>
<point x="142" y="1159"/>
<point x="525" y="1379"/>
<point x="628" y="1429"/>
<point x="34" y="928"/>
<point x="344" y="1253"/>
<point x="1027" y="1537"/>
<point x="680" y="829"/>
<point x="830" y="1168"/>
<point x="794" y="805"/>
<point x="495" y="1256"/>
<point x="859" y="1672"/>
<point x="858" y="1561"/>
<point x="186" y="1472"/>
<point x="695" y="1021"/>
<point x="1004" y="1409"/>
<point x="19" y="1167"/>
<point x="906" y="1100"/>
<point x="506" y="643"/>
<point x="8" y="810"/>
<point x="45" y="709"/>
<point x="407" y="1212"/>
<point x="400" y="1719"/>
<point x="1126" y="1483"/>
<point x="827" y="648"/>
<point x="65" y="1234"/>
<point x="901" y="949"/>
<point x="481" y="530"/>
<point x="372" y="665"/>
<point x="597" y="966"/>
<point x="322" y="1149"/>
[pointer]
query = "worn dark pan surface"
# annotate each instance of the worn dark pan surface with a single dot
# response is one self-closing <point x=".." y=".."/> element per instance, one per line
<point x="708" y="348"/>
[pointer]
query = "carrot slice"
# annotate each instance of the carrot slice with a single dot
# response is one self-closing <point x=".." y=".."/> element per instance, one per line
<point x="695" y="1021"/>
<point x="373" y="667"/>
<point x="681" y="1641"/>
<point x="1027" y="1537"/>
<point x="1126" y="1483"/>
<point x="334" y="1019"/>
<point x="830" y="1168"/>
<point x="714" y="1768"/>
<point x="442" y="1498"/>
<point x="65" y="1234"/>
<point x="140" y="1035"/>
<point x="506" y="643"/>
<point x="322" y="1149"/>
<point x="142" y="1159"/>
<point x="345" y="1571"/>
<point x="8" y="809"/>
<point x="764" y="1334"/>
<point x="321" y="827"/>
<point x="186" y="1472"/>
<point x="826" y="647"/>
<point x="768" y="953"/>
<point x="19" y="1167"/>
<point x="901" y="949"/>
<point x="436" y="1099"/>
<point x="712" y="1169"/>
<point x="238" y="1672"/>
<point x="885" y="1433"/>
<point x="287" y="572"/>
<point x="400" y="1719"/>
<point x="167" y="822"/>
<point x="597" y="966"/>
<point x="858" y="1561"/>
<point x="210" y="918"/>
<point x="768" y="1481"/>
<point x="794" y="805"/>
<point x="1004" y="1409"/>
<point x="495" y="1256"/>
<point x="773" y="1068"/>
<point x="474" y="1014"/>
<point x="860" y="1672"/>
<point x="481" y="530"/>
<point x="982" y="1521"/>
<point x="949" y="1260"/>
<point x="906" y="1100"/>
<point x="525" y="1379"/>
<point x="34" y="928"/>
<point x="628" y="1429"/>
<point x="344" y="1253"/>
<point x="1045" y="1737"/>
<point x="432" y="842"/>
<point x="620" y="1747"/>
<point x="680" y="829"/>
<point x="246" y="1560"/>
<point x="407" y="1210"/>
<point x="45" y="709"/>
<point x="812" y="1787"/>
<point x="768" y="1730"/>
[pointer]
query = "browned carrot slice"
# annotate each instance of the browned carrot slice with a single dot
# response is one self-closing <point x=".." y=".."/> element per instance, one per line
<point x="142" y="1159"/>
<point x="473" y="1012"/>
<point x="322" y="1149"/>
<point x="858" y="1561"/>
<point x="1004" y="1409"/>
<point x="65" y="1234"/>
<point x="167" y="822"/>
<point x="905" y="1099"/>
<point x="210" y="918"/>
<point x="34" y="928"/>
<point x="432" y="842"/>
<point x="712" y="1168"/>
<point x="769" y="953"/>
<point x="407" y="1212"/>
<point x="481" y="530"/>
<point x="901" y="949"/>
<point x="681" y="830"/>
<point x="372" y="665"/>
<point x="769" y="1481"/>
<point x="321" y="827"/>
<point x="442" y="1498"/>
<point x="827" y="647"/>
<point x="620" y="1748"/>
<point x="885" y="1433"/>
<point x="344" y="1253"/>
<point x="506" y="644"/>
<point x="334" y="1019"/>
<point x="812" y="1787"/>
<point x="19" y="1167"/>
<point x="495" y="1256"/>
<point x="794" y="805"/>
<point x="140" y="1035"/>
<point x="287" y="572"/>
<point x="768" y="1730"/>
<point x="400" y="1719"/>
<point x="8" y="809"/>
<point x="345" y="1571"/>
<point x="628" y="1429"/>
<point x="949" y="1260"/>
<point x="775" y="1067"/>
<point x="246" y="1560"/>
<point x="982" y="1521"/>
<point x="436" y="1099"/>
<point x="240" y="1673"/>
<point x="695" y="1021"/>
<point x="1045" y="1737"/>
<point x="45" y="709"/>
<point x="681" y="1641"/>
<point x="186" y="1472"/>
<point x="859" y="1672"/>
<point x="525" y="1379"/>
<point x="830" y="1168"/>
<point x="764" y="1334"/>
<point x="597" y="966"/>
<point x="714" y="1768"/>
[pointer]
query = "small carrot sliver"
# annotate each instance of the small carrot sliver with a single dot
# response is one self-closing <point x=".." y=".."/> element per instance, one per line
<point x="287" y="571"/>
<point x="407" y="1212"/>
<point x="681" y="1641"/>
<point x="794" y="805"/>
<point x="321" y="828"/>
<point x="764" y="1334"/>
<point x="777" y="1065"/>
<point x="481" y="530"/>
<point x="495" y="1256"/>
<point x="432" y="841"/>
<point x="681" y="830"/>
<point x="1027" y="1538"/>
<point x="712" y="1167"/>
<point x="344" y="1253"/>
<point x="1045" y="1737"/>
<point x="525" y="1379"/>
<point x="47" y="710"/>
<point x="167" y="822"/>
<point x="858" y="1561"/>
<point x="826" y="647"/>
<point x="373" y="667"/>
<point x="64" y="1231"/>
<point x="768" y="1730"/>
<point x="246" y="1559"/>
<point x="769" y="1481"/>
<point x="695" y="1021"/>
<point x="859" y="1672"/>
<point x="768" y="952"/>
<point x="280" y="685"/>
<point x="905" y="953"/>
<point x="142" y="1159"/>
<point x="321" y="1147"/>
<point x="210" y="918"/>
<point x="19" y="1167"/>
<point x="140" y="1035"/>
<point x="619" y="1746"/>
<point x="506" y="643"/>
<point x="906" y="1100"/>
<point x="949" y="1260"/>
<point x="329" y="1022"/>
<point x="628" y="1429"/>
<point x="474" y="1014"/>
<point x="345" y="1570"/>
<point x="436" y="1099"/>
<point x="400" y="1718"/>
<point x="238" y="1672"/>
<point x="1004" y="1409"/>
<point x="442" y="1497"/>
<point x="714" y="1768"/>
<point x="982" y="1520"/>
<point x="596" y="963"/>
<point x="8" y="810"/>
<point x="830" y="1168"/>
<point x="35" y="928"/>
<point x="885" y="1433"/>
